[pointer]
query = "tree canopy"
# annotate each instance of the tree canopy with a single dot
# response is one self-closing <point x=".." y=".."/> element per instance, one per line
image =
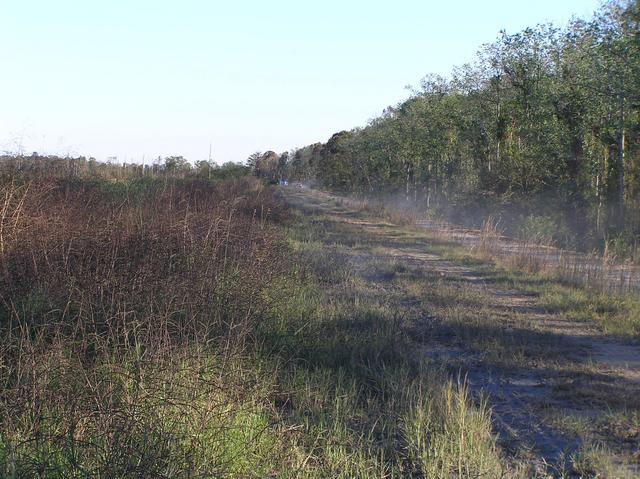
<point x="547" y="111"/>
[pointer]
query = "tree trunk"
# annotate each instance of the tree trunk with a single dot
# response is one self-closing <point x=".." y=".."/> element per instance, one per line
<point x="574" y="163"/>
<point x="620" y="166"/>
<point x="407" y="184"/>
<point x="577" y="198"/>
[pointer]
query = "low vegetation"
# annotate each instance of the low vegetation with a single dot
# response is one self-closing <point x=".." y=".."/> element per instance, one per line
<point x="127" y="307"/>
<point x="181" y="327"/>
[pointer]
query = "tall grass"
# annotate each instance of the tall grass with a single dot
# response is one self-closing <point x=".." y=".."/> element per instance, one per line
<point x="125" y="310"/>
<point x="174" y="327"/>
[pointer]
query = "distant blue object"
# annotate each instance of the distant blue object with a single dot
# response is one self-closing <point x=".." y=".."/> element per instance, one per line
<point x="283" y="182"/>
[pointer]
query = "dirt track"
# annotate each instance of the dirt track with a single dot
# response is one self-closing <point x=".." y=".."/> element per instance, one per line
<point x="535" y="366"/>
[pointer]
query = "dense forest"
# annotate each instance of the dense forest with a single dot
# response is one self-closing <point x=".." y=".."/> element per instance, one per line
<point x="544" y="126"/>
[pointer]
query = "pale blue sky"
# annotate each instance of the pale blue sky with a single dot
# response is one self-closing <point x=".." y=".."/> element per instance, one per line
<point x="129" y="78"/>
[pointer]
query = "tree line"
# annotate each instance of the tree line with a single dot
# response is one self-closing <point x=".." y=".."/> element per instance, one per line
<point x="549" y="113"/>
<point x="37" y="165"/>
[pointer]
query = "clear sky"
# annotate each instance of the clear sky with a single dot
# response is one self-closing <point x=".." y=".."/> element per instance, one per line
<point x="134" y="78"/>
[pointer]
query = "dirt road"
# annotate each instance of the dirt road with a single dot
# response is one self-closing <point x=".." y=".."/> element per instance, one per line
<point x="565" y="398"/>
